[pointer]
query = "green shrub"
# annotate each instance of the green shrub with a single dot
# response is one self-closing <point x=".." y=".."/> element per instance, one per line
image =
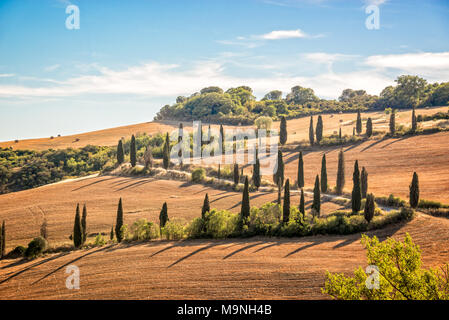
<point x="143" y="230"/>
<point x="173" y="230"/>
<point x="198" y="174"/>
<point x="99" y="240"/>
<point x="221" y="224"/>
<point x="391" y="201"/>
<point x="400" y="275"/>
<point x="36" y="247"/>
<point x="429" y="204"/>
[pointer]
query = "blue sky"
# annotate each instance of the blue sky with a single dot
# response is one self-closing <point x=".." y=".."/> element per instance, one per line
<point x="129" y="58"/>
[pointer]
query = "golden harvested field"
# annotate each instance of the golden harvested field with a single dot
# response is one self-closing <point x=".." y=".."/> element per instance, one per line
<point x="256" y="268"/>
<point x="142" y="198"/>
<point x="298" y="130"/>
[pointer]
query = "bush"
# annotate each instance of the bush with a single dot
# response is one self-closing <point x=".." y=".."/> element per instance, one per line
<point x="221" y="224"/>
<point x="144" y="230"/>
<point x="36" y="247"/>
<point x="198" y="174"/>
<point x="173" y="230"/>
<point x="429" y="204"/>
<point x="391" y="201"/>
<point x="400" y="275"/>
<point x="99" y="240"/>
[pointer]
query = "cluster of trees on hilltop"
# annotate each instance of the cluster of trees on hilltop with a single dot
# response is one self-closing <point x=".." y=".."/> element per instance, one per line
<point x="25" y="169"/>
<point x="239" y="105"/>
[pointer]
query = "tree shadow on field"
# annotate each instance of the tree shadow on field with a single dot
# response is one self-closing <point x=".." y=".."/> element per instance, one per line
<point x="194" y="253"/>
<point x="135" y="184"/>
<point x="243" y="249"/>
<point x="30" y="266"/>
<point x="373" y="144"/>
<point x="396" y="140"/>
<point x="93" y="183"/>
<point x="70" y="262"/>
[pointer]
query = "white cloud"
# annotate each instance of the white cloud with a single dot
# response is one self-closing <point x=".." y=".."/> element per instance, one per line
<point x="155" y="80"/>
<point x="6" y="75"/>
<point x="283" y="34"/>
<point x="52" y="68"/>
<point x="433" y="66"/>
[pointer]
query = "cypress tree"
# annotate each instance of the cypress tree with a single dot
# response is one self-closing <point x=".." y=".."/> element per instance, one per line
<point x="283" y="131"/>
<point x="311" y="135"/>
<point x="133" y="151"/>
<point x="222" y="137"/>
<point x="245" y="209"/>
<point x="119" y="222"/>
<point x="120" y="152"/>
<point x="236" y="174"/>
<point x="353" y="131"/>
<point x="278" y="177"/>
<point x="111" y="235"/>
<point x="340" y="173"/>
<point x="364" y="182"/>
<point x="339" y="134"/>
<point x="163" y="216"/>
<point x="166" y="152"/>
<point x="302" y="203"/>
<point x="392" y="122"/>
<point x="316" y="205"/>
<point x="286" y="208"/>
<point x="319" y="129"/>
<point x="369" y="208"/>
<point x="414" y="122"/>
<point x="209" y="134"/>
<point x="414" y="191"/>
<point x="369" y="127"/>
<point x="256" y="174"/>
<point x="356" y="191"/>
<point x="77" y="229"/>
<point x="323" y="175"/>
<point x="84" y="223"/>
<point x="359" y="123"/>
<point x="3" y="240"/>
<point x="206" y="207"/>
<point x="300" y="171"/>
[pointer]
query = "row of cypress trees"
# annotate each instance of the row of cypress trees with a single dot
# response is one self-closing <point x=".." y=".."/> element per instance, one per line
<point x="80" y="227"/>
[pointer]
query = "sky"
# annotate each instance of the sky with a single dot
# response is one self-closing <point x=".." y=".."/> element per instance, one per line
<point x="129" y="58"/>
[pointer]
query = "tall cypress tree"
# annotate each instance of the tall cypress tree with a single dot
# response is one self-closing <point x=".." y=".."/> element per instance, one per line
<point x="323" y="175"/>
<point x="133" y="151"/>
<point x="369" y="208"/>
<point x="77" y="229"/>
<point x="222" y="137"/>
<point x="278" y="176"/>
<point x="300" y="171"/>
<point x="84" y="223"/>
<point x="236" y="174"/>
<point x="311" y="135"/>
<point x="286" y="207"/>
<point x="245" y="209"/>
<point x="414" y="121"/>
<point x="163" y="216"/>
<point x="414" y="191"/>
<point x="316" y="205"/>
<point x="359" y="123"/>
<point x="364" y="182"/>
<point x="392" y="122"/>
<point x="283" y="131"/>
<point x="166" y="152"/>
<point x="340" y="173"/>
<point x="119" y="222"/>
<point x="356" y="191"/>
<point x="256" y="174"/>
<point x="3" y="240"/>
<point x="206" y="207"/>
<point x="339" y="134"/>
<point x="369" y="127"/>
<point x="120" y="152"/>
<point x="111" y="235"/>
<point x="319" y="129"/>
<point x="302" y="203"/>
